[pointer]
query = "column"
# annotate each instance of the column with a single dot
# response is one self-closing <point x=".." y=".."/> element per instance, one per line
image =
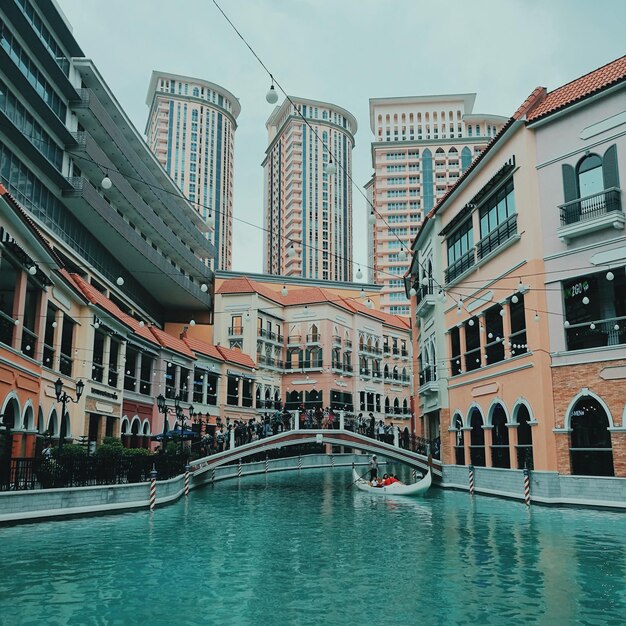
<point x="106" y="355"/>
<point x="462" y="347"/>
<point x="40" y="326"/>
<point x="137" y="372"/>
<point x="253" y="392"/>
<point x="121" y="369"/>
<point x="58" y="333"/>
<point x="467" y="438"/>
<point x="176" y="379"/>
<point x="513" y="445"/>
<point x="342" y="420"/>
<point x="19" y="300"/>
<point x="506" y="329"/>
<point x="488" y="432"/>
<point x="240" y="391"/>
<point x="205" y="388"/>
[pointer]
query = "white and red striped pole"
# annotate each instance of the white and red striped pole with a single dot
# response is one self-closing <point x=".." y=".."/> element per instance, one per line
<point x="186" y="480"/>
<point x="299" y="461"/>
<point x="471" y="480"/>
<point x="527" y="487"/>
<point x="414" y="474"/>
<point x="332" y="461"/>
<point x="267" y="464"/>
<point x="213" y="475"/>
<point x="239" y="469"/>
<point x="153" y="477"/>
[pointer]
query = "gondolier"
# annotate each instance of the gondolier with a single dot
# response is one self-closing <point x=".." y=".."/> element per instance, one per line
<point x="373" y="467"/>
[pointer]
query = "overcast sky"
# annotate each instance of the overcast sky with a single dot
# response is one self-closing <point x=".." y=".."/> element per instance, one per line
<point x="344" y="52"/>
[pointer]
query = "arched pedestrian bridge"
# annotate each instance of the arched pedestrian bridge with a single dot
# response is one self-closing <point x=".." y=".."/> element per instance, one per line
<point x="322" y="436"/>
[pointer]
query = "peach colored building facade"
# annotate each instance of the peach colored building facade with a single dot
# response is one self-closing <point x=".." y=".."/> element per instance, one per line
<point x="317" y="345"/>
<point x="191" y="130"/>
<point x="308" y="212"/>
<point x="421" y="146"/>
<point x="521" y="351"/>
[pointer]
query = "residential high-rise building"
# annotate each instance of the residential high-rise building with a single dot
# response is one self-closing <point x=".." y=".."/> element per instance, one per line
<point x="421" y="146"/>
<point x="191" y="130"/>
<point x="308" y="212"/>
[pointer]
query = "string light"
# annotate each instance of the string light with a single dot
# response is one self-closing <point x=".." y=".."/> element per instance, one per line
<point x="271" y="96"/>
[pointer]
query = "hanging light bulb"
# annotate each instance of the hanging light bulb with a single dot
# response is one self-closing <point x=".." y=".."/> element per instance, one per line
<point x="359" y="274"/>
<point x="502" y="313"/>
<point x="192" y="322"/>
<point x="331" y="168"/>
<point x="96" y="325"/>
<point x="412" y="292"/>
<point x="402" y="255"/>
<point x="120" y="281"/>
<point x="459" y="311"/>
<point x="32" y="270"/>
<point x="370" y="304"/>
<point x="247" y="316"/>
<point x="362" y="293"/>
<point x="106" y="182"/>
<point x="592" y="326"/>
<point x="141" y="324"/>
<point x="490" y="335"/>
<point x="514" y="299"/>
<point x="372" y="217"/>
<point x="471" y="322"/>
<point x="610" y="276"/>
<point x="616" y="327"/>
<point x="271" y="96"/>
<point x="566" y="324"/>
<point x="210" y="220"/>
<point x="204" y="287"/>
<point x="54" y="324"/>
<point x="442" y="295"/>
<point x="536" y="318"/>
<point x="284" y="291"/>
<point x="291" y="252"/>
<point x="585" y="300"/>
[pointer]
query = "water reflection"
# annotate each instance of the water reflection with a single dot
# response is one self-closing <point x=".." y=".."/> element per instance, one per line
<point x="305" y="548"/>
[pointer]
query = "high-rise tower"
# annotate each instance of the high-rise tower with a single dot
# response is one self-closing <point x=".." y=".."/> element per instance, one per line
<point x="421" y="146"/>
<point x="308" y="212"/>
<point x="191" y="130"/>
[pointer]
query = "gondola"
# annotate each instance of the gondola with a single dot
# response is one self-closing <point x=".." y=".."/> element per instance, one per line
<point x="396" y="489"/>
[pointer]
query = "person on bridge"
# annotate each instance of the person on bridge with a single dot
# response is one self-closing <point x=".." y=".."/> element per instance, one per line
<point x="373" y="467"/>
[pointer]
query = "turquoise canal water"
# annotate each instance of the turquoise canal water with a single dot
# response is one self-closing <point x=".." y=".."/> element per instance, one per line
<point x="307" y="549"/>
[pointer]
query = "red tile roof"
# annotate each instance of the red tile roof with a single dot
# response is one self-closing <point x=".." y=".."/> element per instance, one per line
<point x="386" y="318"/>
<point x="172" y="343"/>
<point x="245" y="285"/>
<point x="583" y="87"/>
<point x="97" y="298"/>
<point x="236" y="357"/>
<point x="202" y="347"/>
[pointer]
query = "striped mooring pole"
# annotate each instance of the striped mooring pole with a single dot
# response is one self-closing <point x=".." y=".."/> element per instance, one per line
<point x="267" y="464"/>
<point x="527" y="487"/>
<point x="414" y="474"/>
<point x="186" y="480"/>
<point x="299" y="461"/>
<point x="213" y="475"/>
<point x="471" y="480"/>
<point x="153" y="477"/>
<point x="332" y="461"/>
<point x="239" y="469"/>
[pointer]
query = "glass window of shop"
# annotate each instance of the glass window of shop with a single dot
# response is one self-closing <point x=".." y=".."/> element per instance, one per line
<point x="48" y="341"/>
<point x="97" y="370"/>
<point x="145" y="384"/>
<point x="8" y="281"/>
<point x="595" y="310"/>
<point x="67" y="344"/>
<point x="130" y="374"/>
<point x="590" y="445"/>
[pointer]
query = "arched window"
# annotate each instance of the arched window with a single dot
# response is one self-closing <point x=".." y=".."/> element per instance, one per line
<point x="459" y="441"/>
<point x="387" y="406"/>
<point x="500" y="456"/>
<point x="477" y="438"/>
<point x="590" y="446"/>
<point x="386" y="371"/>
<point x="195" y="92"/>
<point x="259" y="404"/>
<point x="589" y="174"/>
<point x="524" y="439"/>
<point x="466" y="158"/>
<point x="396" y="406"/>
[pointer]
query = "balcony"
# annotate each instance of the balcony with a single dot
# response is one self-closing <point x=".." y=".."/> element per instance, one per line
<point x="294" y="340"/>
<point x="424" y="300"/>
<point x="270" y="336"/>
<point x="235" y="331"/>
<point x="336" y="341"/>
<point x="460" y="266"/>
<point x="497" y="237"/>
<point x="348" y="369"/>
<point x="587" y="215"/>
<point x="348" y="345"/>
<point x="315" y="339"/>
<point x="404" y="353"/>
<point x="428" y="380"/>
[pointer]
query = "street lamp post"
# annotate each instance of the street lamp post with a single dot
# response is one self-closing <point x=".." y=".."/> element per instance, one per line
<point x="63" y="397"/>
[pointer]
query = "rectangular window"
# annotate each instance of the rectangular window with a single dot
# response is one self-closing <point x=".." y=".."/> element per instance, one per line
<point x="517" y="338"/>
<point x="130" y="369"/>
<point x="472" y="345"/>
<point x="48" y="342"/>
<point x="198" y="385"/>
<point x="494" y="331"/>
<point x="212" y="389"/>
<point x="145" y="386"/>
<point x="183" y="384"/>
<point x="455" y="351"/>
<point x="236" y="325"/>
<point x="114" y="352"/>
<point x="232" y="391"/>
<point x="170" y="381"/>
<point x="498" y="220"/>
<point x="460" y="250"/>
<point x="31" y="309"/>
<point x="97" y="370"/>
<point x="67" y="345"/>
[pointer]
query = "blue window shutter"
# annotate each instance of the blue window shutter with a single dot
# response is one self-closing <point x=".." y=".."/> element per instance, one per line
<point x="609" y="168"/>
<point x="570" y="186"/>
